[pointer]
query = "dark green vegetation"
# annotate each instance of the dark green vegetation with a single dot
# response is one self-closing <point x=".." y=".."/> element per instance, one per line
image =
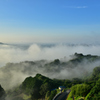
<point x="38" y="87"/>
<point x="80" y="74"/>
<point x="2" y="93"/>
<point x="90" y="88"/>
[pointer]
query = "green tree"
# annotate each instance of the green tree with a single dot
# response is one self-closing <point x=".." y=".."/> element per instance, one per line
<point x="95" y="92"/>
<point x="56" y="61"/>
<point x="47" y="95"/>
<point x="80" y="90"/>
<point x="53" y="93"/>
<point x="67" y="83"/>
<point x="44" y="88"/>
<point x="96" y="73"/>
<point x="35" y="90"/>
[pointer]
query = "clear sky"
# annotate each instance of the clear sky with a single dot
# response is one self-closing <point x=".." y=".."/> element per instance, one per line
<point x="50" y="21"/>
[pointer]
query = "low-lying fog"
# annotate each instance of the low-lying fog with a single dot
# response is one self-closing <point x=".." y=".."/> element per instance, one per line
<point x="13" y="73"/>
<point x="18" y="53"/>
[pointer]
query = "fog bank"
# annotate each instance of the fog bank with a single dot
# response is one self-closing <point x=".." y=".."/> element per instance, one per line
<point x="28" y="60"/>
<point x="18" y="53"/>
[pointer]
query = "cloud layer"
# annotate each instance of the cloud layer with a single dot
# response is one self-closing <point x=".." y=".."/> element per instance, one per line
<point x="14" y="73"/>
<point x="10" y="53"/>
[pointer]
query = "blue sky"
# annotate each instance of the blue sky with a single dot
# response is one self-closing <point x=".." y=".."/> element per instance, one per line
<point x="50" y="21"/>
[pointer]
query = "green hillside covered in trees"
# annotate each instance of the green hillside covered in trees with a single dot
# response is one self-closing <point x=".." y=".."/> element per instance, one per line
<point x="41" y="87"/>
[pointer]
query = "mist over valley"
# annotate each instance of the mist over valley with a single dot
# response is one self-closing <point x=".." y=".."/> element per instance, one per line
<point x="60" y="61"/>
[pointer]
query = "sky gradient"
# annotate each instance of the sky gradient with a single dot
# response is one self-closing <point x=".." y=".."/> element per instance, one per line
<point x="50" y="21"/>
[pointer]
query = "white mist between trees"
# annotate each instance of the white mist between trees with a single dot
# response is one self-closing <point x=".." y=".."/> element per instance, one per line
<point x="13" y="74"/>
<point x="10" y="53"/>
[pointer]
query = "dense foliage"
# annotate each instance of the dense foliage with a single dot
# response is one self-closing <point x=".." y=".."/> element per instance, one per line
<point x="94" y="94"/>
<point x="39" y="85"/>
<point x="80" y="90"/>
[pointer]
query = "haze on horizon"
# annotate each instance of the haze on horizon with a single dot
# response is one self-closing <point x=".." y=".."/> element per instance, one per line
<point x="49" y="21"/>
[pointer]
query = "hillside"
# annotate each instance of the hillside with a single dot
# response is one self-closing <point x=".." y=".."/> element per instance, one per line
<point x="37" y="87"/>
<point x="79" y="66"/>
<point x="40" y="87"/>
<point x="52" y="74"/>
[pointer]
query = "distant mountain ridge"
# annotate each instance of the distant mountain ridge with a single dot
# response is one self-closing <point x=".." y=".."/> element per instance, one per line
<point x="1" y="43"/>
<point x="40" y="79"/>
<point x="79" y="66"/>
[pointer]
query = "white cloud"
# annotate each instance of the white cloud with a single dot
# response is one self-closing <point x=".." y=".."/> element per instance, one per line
<point x="11" y="53"/>
<point x="81" y="7"/>
<point x="36" y="52"/>
<point x="77" y="7"/>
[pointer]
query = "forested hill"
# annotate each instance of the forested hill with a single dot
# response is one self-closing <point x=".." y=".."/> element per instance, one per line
<point x="79" y="66"/>
<point x="80" y="57"/>
<point x="40" y="87"/>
